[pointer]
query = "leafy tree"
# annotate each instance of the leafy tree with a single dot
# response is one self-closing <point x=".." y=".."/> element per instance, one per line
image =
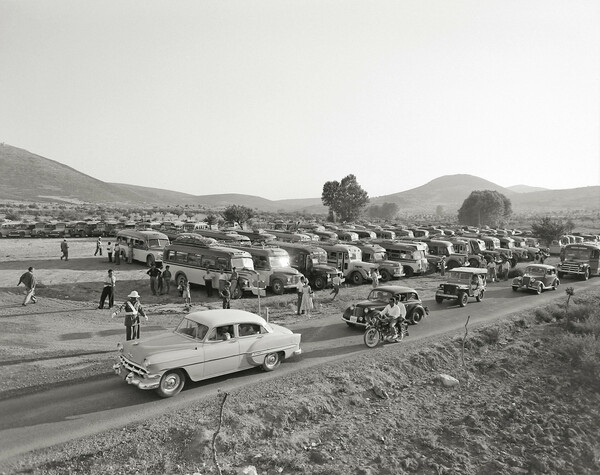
<point x="238" y="214"/>
<point x="211" y="219"/>
<point x="484" y="207"/>
<point x="345" y="199"/>
<point x="13" y="215"/>
<point x="548" y="229"/>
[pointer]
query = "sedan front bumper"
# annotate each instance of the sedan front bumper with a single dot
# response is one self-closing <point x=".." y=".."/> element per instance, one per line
<point x="148" y="382"/>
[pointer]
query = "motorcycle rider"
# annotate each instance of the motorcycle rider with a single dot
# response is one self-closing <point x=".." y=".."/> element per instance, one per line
<point x="394" y="312"/>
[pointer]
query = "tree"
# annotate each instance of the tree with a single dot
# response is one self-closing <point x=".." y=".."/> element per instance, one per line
<point x="345" y="199"/>
<point x="548" y="229"/>
<point x="211" y="219"/>
<point x="238" y="214"/>
<point x="484" y="207"/>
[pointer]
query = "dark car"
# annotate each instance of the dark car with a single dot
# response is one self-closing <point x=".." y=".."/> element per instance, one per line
<point x="537" y="277"/>
<point x="356" y="314"/>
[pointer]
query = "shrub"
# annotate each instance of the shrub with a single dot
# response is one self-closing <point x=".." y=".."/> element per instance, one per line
<point x="583" y="352"/>
<point x="491" y="335"/>
<point x="516" y="272"/>
<point x="542" y="315"/>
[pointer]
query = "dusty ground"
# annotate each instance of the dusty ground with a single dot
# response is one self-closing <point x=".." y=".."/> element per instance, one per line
<point x="520" y="406"/>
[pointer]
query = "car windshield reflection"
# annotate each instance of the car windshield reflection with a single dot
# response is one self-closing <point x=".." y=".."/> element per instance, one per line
<point x="191" y="329"/>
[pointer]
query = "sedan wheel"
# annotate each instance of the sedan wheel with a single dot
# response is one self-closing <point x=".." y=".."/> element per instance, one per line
<point x="171" y="383"/>
<point x="416" y="316"/>
<point x="540" y="289"/>
<point x="555" y="284"/>
<point x="272" y="361"/>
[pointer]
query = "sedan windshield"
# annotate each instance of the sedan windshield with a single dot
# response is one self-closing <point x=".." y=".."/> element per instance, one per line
<point x="380" y="295"/>
<point x="191" y="329"/>
<point x="531" y="270"/>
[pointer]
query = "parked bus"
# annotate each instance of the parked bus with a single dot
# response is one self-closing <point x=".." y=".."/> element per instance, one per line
<point x="376" y="254"/>
<point x="348" y="259"/>
<point x="410" y="254"/>
<point x="257" y="235"/>
<point x="582" y="260"/>
<point x="288" y="236"/>
<point x="223" y="236"/>
<point x="191" y="255"/>
<point x="16" y="230"/>
<point x="147" y="246"/>
<point x="311" y="260"/>
<point x="273" y="265"/>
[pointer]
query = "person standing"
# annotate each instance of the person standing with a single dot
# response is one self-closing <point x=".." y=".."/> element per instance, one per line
<point x="130" y="254"/>
<point x="64" y="248"/>
<point x="374" y="277"/>
<point x="29" y="280"/>
<point x="117" y="254"/>
<point x="299" y="290"/>
<point x="154" y="274"/>
<point x="108" y="290"/>
<point x="186" y="293"/>
<point x="166" y="277"/>
<point x="491" y="270"/>
<point x="98" y="246"/>
<point x="443" y="266"/>
<point x="307" y="303"/>
<point x="208" y="280"/>
<point x="109" y="251"/>
<point x="133" y="310"/>
<point x="159" y="280"/>
<point x="226" y="294"/>
<point x="234" y="281"/>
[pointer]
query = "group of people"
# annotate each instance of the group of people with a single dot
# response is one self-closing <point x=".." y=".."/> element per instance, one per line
<point x="305" y="297"/>
<point x="160" y="280"/>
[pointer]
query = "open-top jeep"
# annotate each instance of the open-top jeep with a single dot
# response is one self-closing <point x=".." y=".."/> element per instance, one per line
<point x="463" y="282"/>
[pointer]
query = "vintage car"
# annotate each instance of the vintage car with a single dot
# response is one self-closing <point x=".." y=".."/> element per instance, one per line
<point x="357" y="314"/>
<point x="537" y="277"/>
<point x="462" y="283"/>
<point x="204" y="345"/>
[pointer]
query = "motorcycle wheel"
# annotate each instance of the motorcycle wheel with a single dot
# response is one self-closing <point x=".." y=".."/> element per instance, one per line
<point x="372" y="337"/>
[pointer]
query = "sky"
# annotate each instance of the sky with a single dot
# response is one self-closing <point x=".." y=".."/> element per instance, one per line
<point x="274" y="98"/>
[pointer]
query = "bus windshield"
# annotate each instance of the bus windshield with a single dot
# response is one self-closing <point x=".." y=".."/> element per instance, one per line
<point x="242" y="262"/>
<point x="379" y="256"/>
<point x="157" y="242"/>
<point x="577" y="253"/>
<point x="277" y="262"/>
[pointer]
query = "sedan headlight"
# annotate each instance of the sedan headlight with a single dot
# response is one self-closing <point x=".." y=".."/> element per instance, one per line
<point x="145" y="363"/>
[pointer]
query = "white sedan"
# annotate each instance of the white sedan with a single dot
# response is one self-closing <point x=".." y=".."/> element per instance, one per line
<point x="204" y="345"/>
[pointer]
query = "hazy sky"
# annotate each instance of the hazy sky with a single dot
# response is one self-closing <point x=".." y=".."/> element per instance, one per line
<point x="274" y="98"/>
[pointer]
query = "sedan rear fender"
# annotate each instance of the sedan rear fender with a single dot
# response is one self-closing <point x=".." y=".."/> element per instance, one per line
<point x="272" y="343"/>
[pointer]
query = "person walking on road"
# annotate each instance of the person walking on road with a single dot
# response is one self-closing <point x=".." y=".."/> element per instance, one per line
<point x="29" y="280"/>
<point x="98" y="246"/>
<point x="109" y="251"/>
<point x="337" y="283"/>
<point x="108" y="290"/>
<point x="133" y="310"/>
<point x="166" y="278"/>
<point x="64" y="248"/>
<point x="154" y="274"/>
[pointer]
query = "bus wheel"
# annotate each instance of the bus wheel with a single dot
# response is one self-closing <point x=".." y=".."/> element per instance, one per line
<point x="277" y="287"/>
<point x="181" y="279"/>
<point x="356" y="278"/>
<point x="385" y="275"/>
<point x="319" y="282"/>
<point x="408" y="271"/>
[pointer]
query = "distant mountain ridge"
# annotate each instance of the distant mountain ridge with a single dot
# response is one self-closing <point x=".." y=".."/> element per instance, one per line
<point x="25" y="176"/>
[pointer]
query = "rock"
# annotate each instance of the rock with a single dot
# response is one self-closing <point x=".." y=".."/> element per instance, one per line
<point x="249" y="470"/>
<point x="447" y="380"/>
<point x="380" y="392"/>
<point x="470" y="421"/>
<point x="318" y="457"/>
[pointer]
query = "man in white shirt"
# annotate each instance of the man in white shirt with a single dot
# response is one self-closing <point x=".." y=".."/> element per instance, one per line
<point x="108" y="290"/>
<point x="394" y="312"/>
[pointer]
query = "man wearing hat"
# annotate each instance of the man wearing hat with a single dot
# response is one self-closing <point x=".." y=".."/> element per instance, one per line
<point x="133" y="310"/>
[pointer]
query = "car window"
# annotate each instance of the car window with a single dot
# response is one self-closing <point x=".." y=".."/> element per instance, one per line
<point x="248" y="329"/>
<point x="221" y="333"/>
<point x="190" y="328"/>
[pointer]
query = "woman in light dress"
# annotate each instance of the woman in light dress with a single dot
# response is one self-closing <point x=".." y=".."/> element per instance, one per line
<point x="307" y="303"/>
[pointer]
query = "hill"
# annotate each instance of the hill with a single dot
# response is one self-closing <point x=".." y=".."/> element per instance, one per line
<point x="525" y="188"/>
<point x="448" y="191"/>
